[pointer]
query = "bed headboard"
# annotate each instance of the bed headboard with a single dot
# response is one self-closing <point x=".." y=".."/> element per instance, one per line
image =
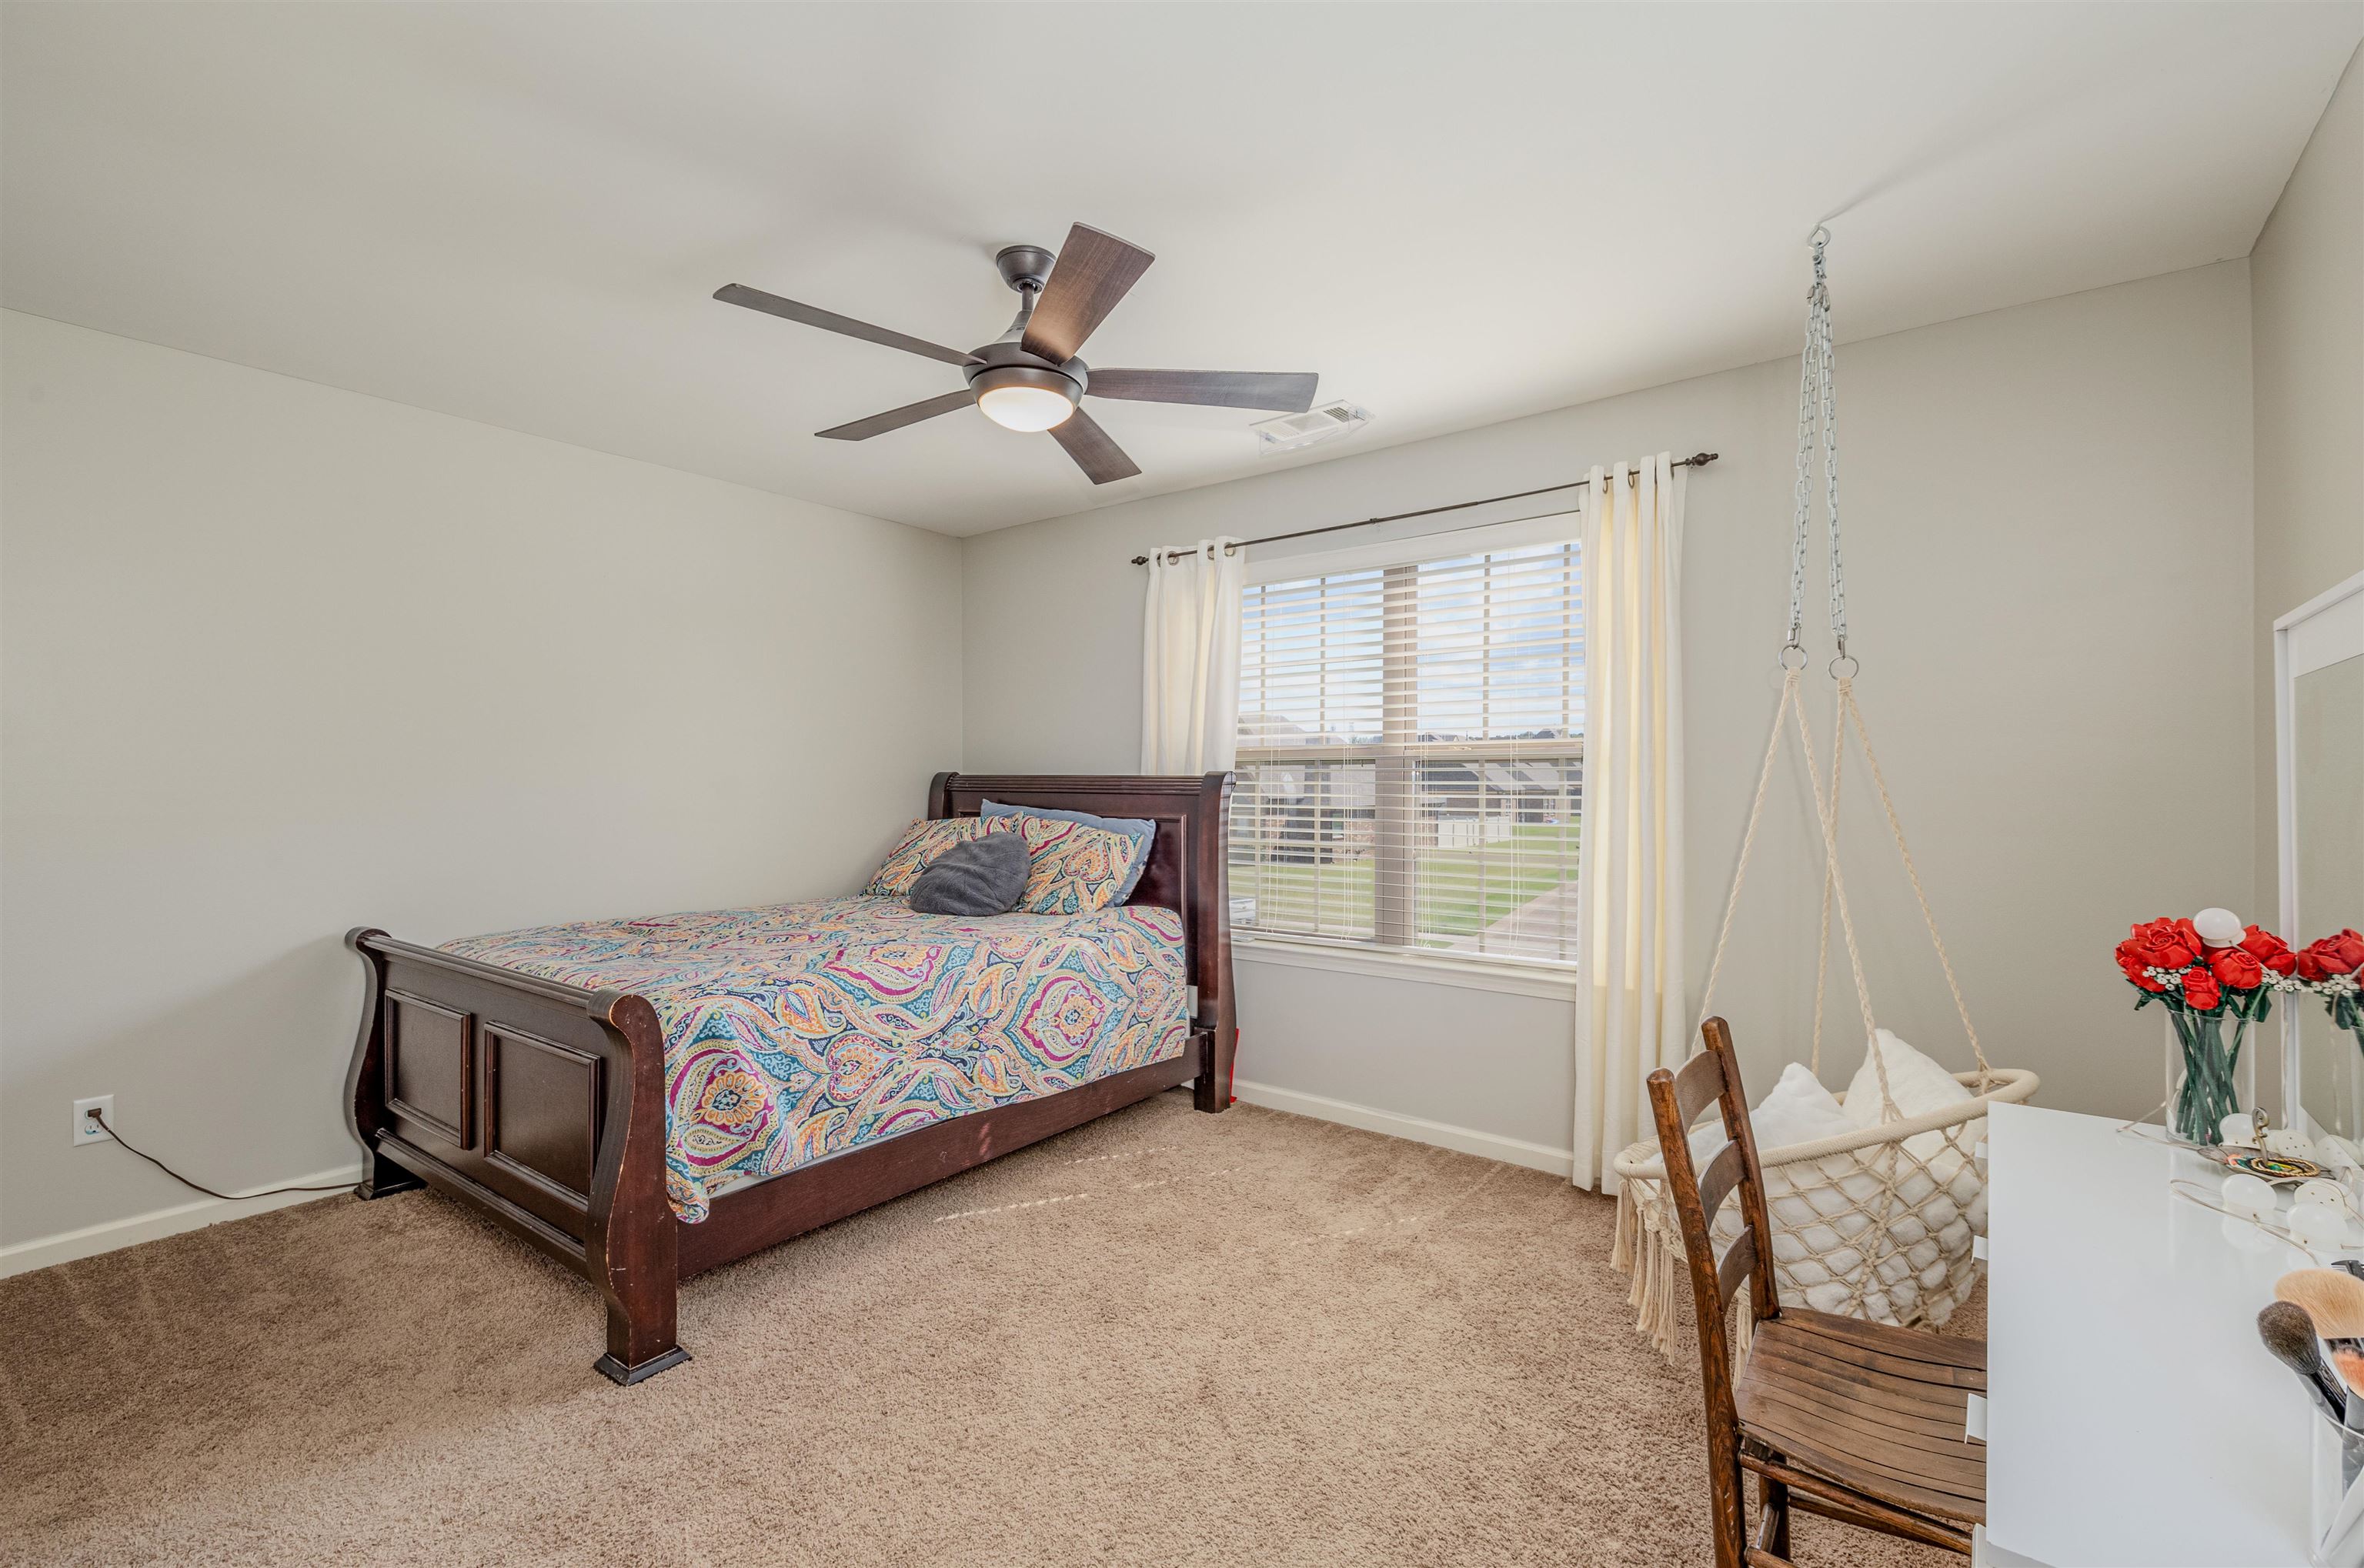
<point x="1187" y="860"/>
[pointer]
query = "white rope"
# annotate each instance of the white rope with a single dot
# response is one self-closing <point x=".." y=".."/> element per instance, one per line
<point x="1791" y="708"/>
<point x="1928" y="918"/>
<point x="1822" y="929"/>
<point x="1747" y="843"/>
<point x="1847" y="919"/>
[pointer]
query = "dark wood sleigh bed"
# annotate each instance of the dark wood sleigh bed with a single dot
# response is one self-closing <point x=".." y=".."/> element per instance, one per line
<point x="543" y="1106"/>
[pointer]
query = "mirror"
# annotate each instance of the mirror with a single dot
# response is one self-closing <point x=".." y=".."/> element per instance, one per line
<point x="2319" y="722"/>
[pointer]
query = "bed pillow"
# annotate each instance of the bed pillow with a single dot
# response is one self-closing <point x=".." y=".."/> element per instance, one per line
<point x="1076" y="869"/>
<point x="1138" y="828"/>
<point x="982" y="876"/>
<point x="922" y="842"/>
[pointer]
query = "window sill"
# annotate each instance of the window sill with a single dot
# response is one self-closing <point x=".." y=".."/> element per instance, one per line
<point x="1412" y="965"/>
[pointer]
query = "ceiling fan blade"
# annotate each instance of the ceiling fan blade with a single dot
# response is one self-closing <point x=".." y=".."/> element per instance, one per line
<point x="1291" y="391"/>
<point x="1101" y="459"/>
<point x="829" y="321"/>
<point x="1092" y="273"/>
<point x="896" y="418"/>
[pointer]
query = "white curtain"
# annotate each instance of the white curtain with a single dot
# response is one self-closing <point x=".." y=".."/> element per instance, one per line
<point x="1632" y="1016"/>
<point x="1190" y="659"/>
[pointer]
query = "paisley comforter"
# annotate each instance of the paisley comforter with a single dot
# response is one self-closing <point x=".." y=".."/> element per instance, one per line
<point x="796" y="1031"/>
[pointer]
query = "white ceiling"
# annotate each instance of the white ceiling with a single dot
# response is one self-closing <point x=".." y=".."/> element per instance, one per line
<point x="1456" y="214"/>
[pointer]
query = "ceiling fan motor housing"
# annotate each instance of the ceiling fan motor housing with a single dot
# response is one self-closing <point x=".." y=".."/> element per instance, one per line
<point x="1007" y="364"/>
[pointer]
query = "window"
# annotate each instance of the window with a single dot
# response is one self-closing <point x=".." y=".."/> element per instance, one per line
<point x="1411" y="746"/>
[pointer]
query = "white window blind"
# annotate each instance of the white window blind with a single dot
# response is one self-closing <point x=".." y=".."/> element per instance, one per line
<point x="1411" y="747"/>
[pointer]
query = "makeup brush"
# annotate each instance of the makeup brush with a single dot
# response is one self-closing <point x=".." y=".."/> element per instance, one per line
<point x="2289" y="1335"/>
<point x="2333" y="1298"/>
<point x="2341" y="1542"/>
<point x="2349" y="1380"/>
<point x="2348" y="1364"/>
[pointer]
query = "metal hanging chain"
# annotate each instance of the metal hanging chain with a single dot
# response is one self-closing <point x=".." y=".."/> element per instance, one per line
<point x="1805" y="493"/>
<point x="1817" y="399"/>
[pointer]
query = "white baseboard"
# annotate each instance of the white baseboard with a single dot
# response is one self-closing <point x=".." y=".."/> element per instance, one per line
<point x="1416" y="1130"/>
<point x="92" y="1240"/>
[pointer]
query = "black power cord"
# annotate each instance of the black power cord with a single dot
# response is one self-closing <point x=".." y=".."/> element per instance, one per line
<point x="100" y="1116"/>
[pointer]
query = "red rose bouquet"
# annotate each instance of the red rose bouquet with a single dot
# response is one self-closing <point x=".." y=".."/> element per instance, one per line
<point x="2333" y="969"/>
<point x="2206" y="982"/>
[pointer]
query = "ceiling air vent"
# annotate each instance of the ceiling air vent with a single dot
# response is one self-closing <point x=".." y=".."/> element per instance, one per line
<point x="1326" y="422"/>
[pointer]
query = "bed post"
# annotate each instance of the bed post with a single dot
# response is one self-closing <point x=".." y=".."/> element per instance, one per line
<point x="365" y="1079"/>
<point x="1210" y="919"/>
<point x="631" y="1240"/>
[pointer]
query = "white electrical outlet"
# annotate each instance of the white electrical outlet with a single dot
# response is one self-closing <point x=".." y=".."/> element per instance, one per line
<point x="86" y="1128"/>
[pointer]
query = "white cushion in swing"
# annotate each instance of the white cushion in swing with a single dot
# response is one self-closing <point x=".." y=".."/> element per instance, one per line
<point x="1916" y="1083"/>
<point x="1933" y="1226"/>
<point x="1815" y="1211"/>
<point x="1822" y="1209"/>
<point x="1798" y="1110"/>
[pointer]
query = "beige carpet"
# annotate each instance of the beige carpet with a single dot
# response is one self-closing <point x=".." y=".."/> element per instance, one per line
<point x="1165" y="1338"/>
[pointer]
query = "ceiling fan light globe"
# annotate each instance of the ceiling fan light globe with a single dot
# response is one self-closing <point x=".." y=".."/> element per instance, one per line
<point x="1029" y="408"/>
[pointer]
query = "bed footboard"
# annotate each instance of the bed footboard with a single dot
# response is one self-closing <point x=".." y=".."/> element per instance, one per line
<point x="542" y="1105"/>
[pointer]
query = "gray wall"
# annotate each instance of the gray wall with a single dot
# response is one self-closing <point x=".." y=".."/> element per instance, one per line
<point x="2049" y="555"/>
<point x="2306" y="280"/>
<point x="280" y="659"/>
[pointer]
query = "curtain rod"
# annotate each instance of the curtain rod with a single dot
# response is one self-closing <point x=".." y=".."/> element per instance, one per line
<point x="1697" y="460"/>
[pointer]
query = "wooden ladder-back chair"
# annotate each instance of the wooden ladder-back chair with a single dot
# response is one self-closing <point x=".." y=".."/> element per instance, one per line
<point x="1856" y="1421"/>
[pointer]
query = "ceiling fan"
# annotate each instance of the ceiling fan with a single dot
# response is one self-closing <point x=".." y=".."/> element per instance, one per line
<point x="1028" y="378"/>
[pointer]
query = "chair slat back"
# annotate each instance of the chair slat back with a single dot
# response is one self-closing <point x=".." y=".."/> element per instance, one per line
<point x="1698" y="1084"/>
<point x="1713" y="1077"/>
<point x="1738" y="1264"/>
<point x="1722" y="1174"/>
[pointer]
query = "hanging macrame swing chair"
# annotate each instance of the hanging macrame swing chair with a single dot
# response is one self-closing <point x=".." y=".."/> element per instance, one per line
<point x="1876" y="1223"/>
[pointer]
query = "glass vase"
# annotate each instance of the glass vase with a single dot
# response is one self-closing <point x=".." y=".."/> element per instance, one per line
<point x="2207" y="1095"/>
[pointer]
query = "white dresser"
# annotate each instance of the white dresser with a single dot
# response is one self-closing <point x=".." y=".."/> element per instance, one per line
<point x="2132" y="1419"/>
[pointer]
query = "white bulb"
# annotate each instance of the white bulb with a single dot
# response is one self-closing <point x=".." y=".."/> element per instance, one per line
<point x="1024" y="407"/>
<point x="2320" y="1191"/>
<point x="2292" y="1144"/>
<point x="2246" y="1195"/>
<point x="2238" y="1130"/>
<point x="2317" y="1226"/>
<point x="2219" y="928"/>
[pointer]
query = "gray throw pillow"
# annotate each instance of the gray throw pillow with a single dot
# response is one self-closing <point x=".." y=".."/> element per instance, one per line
<point x="984" y="876"/>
